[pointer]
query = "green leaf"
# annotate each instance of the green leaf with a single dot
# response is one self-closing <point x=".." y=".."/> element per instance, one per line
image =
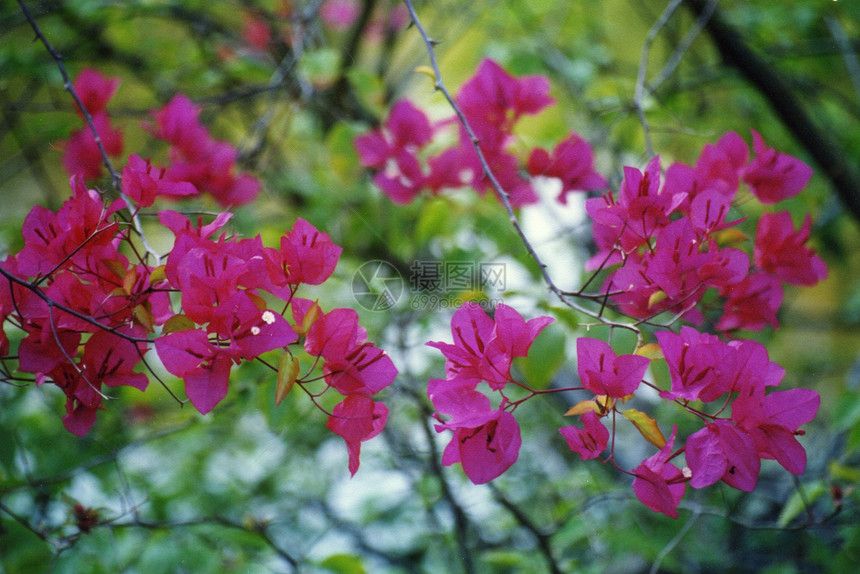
<point x="647" y="426"/>
<point x="435" y="219"/>
<point x="545" y="358"/>
<point x="288" y="371"/>
<point x="176" y="323"/>
<point x="343" y="564"/>
<point x="798" y="501"/>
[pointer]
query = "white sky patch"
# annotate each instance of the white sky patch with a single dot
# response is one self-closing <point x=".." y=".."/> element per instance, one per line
<point x="548" y="226"/>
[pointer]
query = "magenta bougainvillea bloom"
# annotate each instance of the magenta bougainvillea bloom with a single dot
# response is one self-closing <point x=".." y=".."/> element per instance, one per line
<point x="723" y="451"/>
<point x="492" y="101"/>
<point x="752" y="303"/>
<point x="393" y="149"/>
<point x="484" y="348"/>
<point x="659" y="484"/>
<point x="782" y="252"/>
<point x="604" y="373"/>
<point x="143" y="182"/>
<point x="773" y="421"/>
<point x="352" y="364"/>
<point x="197" y="158"/>
<point x="82" y="155"/>
<point x="572" y="162"/>
<point x="204" y="367"/>
<point x="486" y="441"/>
<point x="702" y="367"/>
<point x="95" y="90"/>
<point x="357" y="418"/>
<point x="309" y="255"/>
<point x="590" y="440"/>
<point x="774" y="176"/>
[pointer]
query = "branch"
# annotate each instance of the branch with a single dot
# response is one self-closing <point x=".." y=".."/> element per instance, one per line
<point x="643" y="67"/>
<point x="67" y="84"/>
<point x="52" y="304"/>
<point x="503" y="196"/>
<point x="778" y="93"/>
<point x="542" y="538"/>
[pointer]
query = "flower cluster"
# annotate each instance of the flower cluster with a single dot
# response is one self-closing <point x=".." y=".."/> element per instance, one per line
<point x="90" y="306"/>
<point x="81" y="153"/>
<point x="707" y="375"/>
<point x="672" y="247"/>
<point x="492" y="101"/>
<point x="670" y="238"/>
<point x="198" y="162"/>
<point x="486" y="440"/>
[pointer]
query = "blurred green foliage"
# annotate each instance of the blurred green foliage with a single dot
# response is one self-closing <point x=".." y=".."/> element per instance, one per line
<point x="252" y="487"/>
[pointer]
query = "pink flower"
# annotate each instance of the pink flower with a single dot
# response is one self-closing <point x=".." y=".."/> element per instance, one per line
<point x="143" y="182"/>
<point x="604" y="373"/>
<point x="774" y="176"/>
<point x="357" y="419"/>
<point x="752" y="303"/>
<point x="308" y="254"/>
<point x="486" y="441"/>
<point x="256" y="32"/>
<point x="203" y="367"/>
<point x="352" y="364"/>
<point x="208" y="164"/>
<point x="638" y="215"/>
<point x="572" y="161"/>
<point x="339" y="14"/>
<point x="773" y="421"/>
<point x="591" y="440"/>
<point x="393" y="150"/>
<point x="94" y="90"/>
<point x="700" y="365"/>
<point x="484" y="348"/>
<point x="493" y="100"/>
<point x="110" y="359"/>
<point x="723" y="451"/>
<point x="82" y="154"/>
<point x="660" y="485"/>
<point x="782" y="252"/>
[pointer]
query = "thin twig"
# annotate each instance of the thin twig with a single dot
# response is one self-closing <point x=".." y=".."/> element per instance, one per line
<point x="503" y="195"/>
<point x="655" y="567"/>
<point x="53" y="304"/>
<point x="639" y="93"/>
<point x="672" y="63"/>
<point x="851" y="63"/>
<point x="67" y="85"/>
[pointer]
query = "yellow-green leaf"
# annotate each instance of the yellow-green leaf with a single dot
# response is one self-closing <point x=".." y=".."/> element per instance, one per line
<point x="288" y="372"/>
<point x="651" y="351"/>
<point x="308" y="320"/>
<point x="797" y="502"/>
<point x="158" y="275"/>
<point x="427" y="71"/>
<point x="647" y="426"/>
<point x="178" y="323"/>
<point x="129" y="280"/>
<point x="656" y="297"/>
<point x="730" y="236"/>
<point x="583" y="407"/>
<point x="143" y="315"/>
